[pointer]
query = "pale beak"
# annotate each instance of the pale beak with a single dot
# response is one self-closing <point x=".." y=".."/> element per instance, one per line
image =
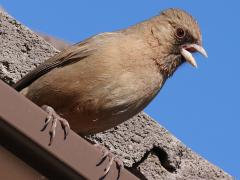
<point x="186" y="53"/>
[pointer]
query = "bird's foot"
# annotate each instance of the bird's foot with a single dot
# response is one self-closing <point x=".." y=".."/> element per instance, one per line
<point x="107" y="154"/>
<point x="54" y="118"/>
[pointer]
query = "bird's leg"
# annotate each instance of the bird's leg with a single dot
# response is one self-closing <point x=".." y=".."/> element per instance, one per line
<point x="54" y="117"/>
<point x="106" y="153"/>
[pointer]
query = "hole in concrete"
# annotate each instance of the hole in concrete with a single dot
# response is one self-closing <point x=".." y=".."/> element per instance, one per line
<point x="162" y="156"/>
<point x="5" y="64"/>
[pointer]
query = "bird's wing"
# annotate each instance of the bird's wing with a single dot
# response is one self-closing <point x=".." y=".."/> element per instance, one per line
<point x="71" y="55"/>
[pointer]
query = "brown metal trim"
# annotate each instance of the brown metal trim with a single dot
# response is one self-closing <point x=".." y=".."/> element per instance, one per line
<point x="11" y="168"/>
<point x="74" y="158"/>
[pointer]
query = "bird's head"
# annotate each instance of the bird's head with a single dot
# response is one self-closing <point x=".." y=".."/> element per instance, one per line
<point x="179" y="36"/>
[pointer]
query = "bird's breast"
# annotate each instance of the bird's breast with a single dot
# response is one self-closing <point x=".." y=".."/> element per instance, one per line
<point x="102" y="90"/>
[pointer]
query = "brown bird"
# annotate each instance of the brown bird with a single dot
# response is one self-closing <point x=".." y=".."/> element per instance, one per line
<point x="108" y="78"/>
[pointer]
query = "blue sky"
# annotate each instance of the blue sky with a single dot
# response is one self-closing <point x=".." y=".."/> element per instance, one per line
<point x="199" y="106"/>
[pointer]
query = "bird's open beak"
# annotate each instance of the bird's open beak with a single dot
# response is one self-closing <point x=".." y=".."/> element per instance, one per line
<point x="186" y="53"/>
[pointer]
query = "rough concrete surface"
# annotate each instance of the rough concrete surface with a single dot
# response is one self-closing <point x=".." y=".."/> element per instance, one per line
<point x="147" y="149"/>
<point x="20" y="49"/>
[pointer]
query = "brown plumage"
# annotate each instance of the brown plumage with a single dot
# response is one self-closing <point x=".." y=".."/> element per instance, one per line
<point x="108" y="78"/>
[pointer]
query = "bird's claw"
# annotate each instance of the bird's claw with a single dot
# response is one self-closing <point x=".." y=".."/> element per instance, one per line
<point x="54" y="118"/>
<point x="106" y="153"/>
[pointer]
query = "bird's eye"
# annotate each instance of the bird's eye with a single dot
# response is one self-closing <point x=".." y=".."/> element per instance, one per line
<point x="180" y="33"/>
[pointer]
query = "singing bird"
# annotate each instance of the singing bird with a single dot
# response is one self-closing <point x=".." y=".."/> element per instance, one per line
<point x="108" y="78"/>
